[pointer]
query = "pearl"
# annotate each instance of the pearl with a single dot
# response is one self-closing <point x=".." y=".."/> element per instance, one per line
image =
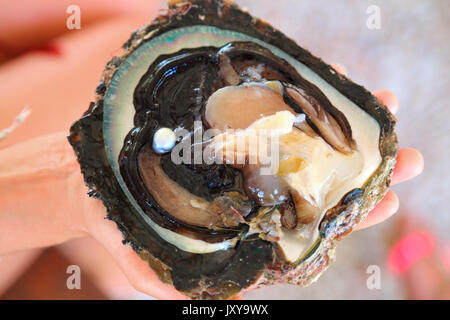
<point x="163" y="140"/>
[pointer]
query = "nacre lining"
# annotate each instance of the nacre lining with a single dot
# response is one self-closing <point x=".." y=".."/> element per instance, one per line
<point x="119" y="112"/>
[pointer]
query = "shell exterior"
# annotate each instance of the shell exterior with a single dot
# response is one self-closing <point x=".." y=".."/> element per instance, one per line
<point x="223" y="275"/>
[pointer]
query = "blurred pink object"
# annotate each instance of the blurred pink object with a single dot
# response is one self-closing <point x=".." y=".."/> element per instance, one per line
<point x="409" y="250"/>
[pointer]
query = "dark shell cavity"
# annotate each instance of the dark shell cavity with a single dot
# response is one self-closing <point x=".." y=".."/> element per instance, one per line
<point x="173" y="93"/>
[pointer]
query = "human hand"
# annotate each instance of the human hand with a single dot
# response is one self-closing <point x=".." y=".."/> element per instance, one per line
<point x="42" y="194"/>
<point x="44" y="202"/>
<point x="43" y="198"/>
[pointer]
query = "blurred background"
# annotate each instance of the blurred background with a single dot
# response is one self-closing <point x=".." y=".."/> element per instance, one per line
<point x="54" y="71"/>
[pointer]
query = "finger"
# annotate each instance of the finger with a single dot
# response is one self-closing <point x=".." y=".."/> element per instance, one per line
<point x="386" y="208"/>
<point x="13" y="266"/>
<point x="81" y="63"/>
<point x="409" y="164"/>
<point x="137" y="271"/>
<point x="34" y="196"/>
<point x="340" y="68"/>
<point x="388" y="98"/>
<point x="22" y="28"/>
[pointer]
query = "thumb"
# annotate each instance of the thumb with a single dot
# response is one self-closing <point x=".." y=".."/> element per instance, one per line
<point x="27" y="24"/>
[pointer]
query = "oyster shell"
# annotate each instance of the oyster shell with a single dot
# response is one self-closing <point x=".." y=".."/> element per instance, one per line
<point x="213" y="230"/>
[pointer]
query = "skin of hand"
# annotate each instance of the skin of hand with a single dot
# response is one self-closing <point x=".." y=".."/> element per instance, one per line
<point x="43" y="197"/>
<point x="27" y="25"/>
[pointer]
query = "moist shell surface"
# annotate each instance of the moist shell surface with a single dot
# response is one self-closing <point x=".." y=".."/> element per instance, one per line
<point x="252" y="262"/>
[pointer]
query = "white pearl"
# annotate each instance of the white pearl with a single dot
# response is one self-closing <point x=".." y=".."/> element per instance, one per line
<point x="163" y="140"/>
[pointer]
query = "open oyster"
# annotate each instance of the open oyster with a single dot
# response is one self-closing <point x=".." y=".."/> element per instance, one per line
<point x="212" y="225"/>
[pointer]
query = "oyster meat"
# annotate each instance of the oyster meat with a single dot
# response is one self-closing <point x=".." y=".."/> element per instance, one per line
<point x="229" y="156"/>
